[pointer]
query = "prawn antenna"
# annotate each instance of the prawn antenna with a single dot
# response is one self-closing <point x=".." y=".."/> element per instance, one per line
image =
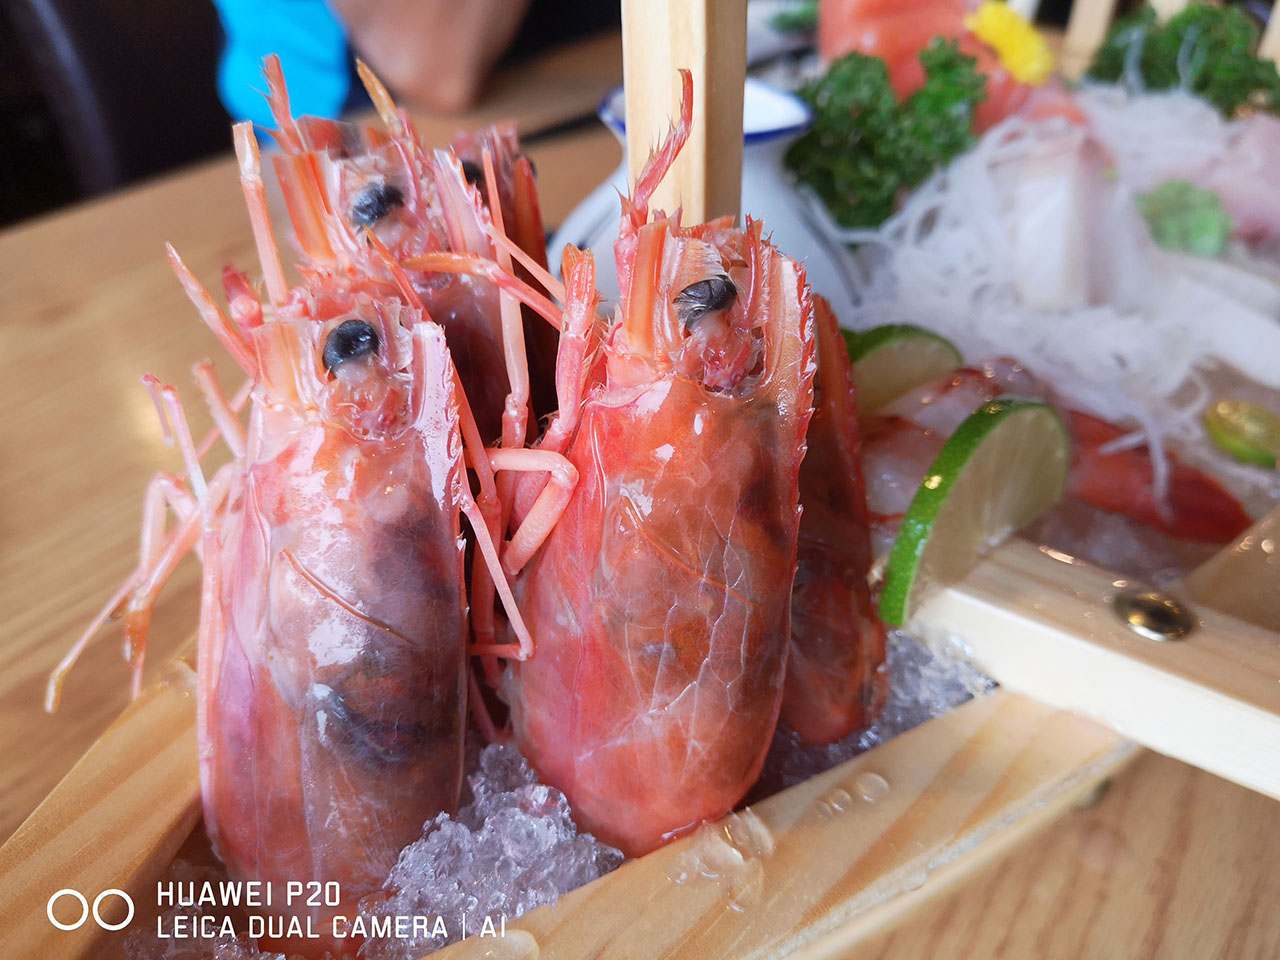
<point x="381" y="98"/>
<point x="213" y="315"/>
<point x="402" y="279"/>
<point x="255" y="195"/>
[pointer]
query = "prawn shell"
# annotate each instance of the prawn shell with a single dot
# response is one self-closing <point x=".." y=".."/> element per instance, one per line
<point x="660" y="603"/>
<point x="332" y="675"/>
<point x="836" y="681"/>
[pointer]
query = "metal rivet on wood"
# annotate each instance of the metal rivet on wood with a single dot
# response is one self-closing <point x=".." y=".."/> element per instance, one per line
<point x="1153" y="615"/>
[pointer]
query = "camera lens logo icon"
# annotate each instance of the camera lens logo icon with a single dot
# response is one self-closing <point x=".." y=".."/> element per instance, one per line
<point x="85" y="909"/>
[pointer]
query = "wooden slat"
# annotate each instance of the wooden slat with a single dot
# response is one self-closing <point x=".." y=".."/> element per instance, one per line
<point x="1045" y="628"/>
<point x="1086" y="29"/>
<point x="115" y="821"/>
<point x="1172" y="864"/>
<point x="708" y="37"/>
<point x="1269" y="48"/>
<point x="1244" y="579"/>
<point x="1167" y="8"/>
<point x="954" y="785"/>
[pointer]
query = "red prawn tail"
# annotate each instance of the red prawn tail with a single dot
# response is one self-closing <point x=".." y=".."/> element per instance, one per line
<point x="660" y="160"/>
<point x="1196" y="508"/>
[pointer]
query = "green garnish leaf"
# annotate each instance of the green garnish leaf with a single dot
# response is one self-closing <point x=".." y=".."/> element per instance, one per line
<point x="1206" y="50"/>
<point x="1186" y="218"/>
<point x="1248" y="432"/>
<point x="798" y="18"/>
<point x="865" y="148"/>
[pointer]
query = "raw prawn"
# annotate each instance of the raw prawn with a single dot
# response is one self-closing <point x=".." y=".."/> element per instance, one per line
<point x="362" y="201"/>
<point x="836" y="680"/>
<point x="332" y="673"/>
<point x="906" y="436"/>
<point x="661" y="600"/>
<point x="341" y="179"/>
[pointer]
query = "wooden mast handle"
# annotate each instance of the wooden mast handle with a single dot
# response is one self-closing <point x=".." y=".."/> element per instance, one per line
<point x="708" y="37"/>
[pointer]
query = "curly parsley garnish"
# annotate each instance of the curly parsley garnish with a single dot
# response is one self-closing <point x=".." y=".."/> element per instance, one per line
<point x="1205" y="50"/>
<point x="864" y="148"/>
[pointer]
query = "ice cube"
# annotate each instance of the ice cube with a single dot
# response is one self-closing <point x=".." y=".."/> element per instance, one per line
<point x="925" y="682"/>
<point x="512" y="848"/>
<point x="1117" y="543"/>
<point x="144" y="944"/>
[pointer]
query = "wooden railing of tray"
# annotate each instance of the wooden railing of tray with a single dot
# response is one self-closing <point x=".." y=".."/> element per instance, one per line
<point x="819" y="866"/>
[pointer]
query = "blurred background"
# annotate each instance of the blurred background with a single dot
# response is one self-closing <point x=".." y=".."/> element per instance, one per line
<point x="96" y="94"/>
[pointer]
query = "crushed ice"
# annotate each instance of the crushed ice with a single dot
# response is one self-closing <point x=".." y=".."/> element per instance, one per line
<point x="1113" y="541"/>
<point x="512" y="848"/>
<point x="143" y="944"/>
<point x="926" y="681"/>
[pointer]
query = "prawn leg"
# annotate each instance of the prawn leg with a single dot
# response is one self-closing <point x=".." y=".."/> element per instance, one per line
<point x="157" y="554"/>
<point x="571" y="366"/>
<point x="487" y="549"/>
<point x="483" y="517"/>
<point x="212" y="314"/>
<point x="482" y="584"/>
<point x="477" y="266"/>
<point x="562" y="477"/>
<point x="160" y="550"/>
<point x="223" y="409"/>
<point x="515" y="413"/>
<point x="195" y="532"/>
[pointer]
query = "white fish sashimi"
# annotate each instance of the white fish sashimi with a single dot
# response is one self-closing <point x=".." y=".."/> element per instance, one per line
<point x="1247" y="178"/>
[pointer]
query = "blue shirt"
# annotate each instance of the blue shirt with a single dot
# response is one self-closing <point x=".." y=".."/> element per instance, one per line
<point x="311" y="43"/>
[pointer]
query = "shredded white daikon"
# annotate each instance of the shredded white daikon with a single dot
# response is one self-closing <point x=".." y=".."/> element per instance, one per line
<point x="1030" y="246"/>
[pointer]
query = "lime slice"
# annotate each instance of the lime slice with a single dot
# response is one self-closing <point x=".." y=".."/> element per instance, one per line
<point x="1005" y="465"/>
<point x="890" y="360"/>
<point x="1248" y="432"/>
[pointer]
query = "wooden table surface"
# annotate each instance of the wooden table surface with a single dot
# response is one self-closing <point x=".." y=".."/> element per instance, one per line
<point x="1171" y="863"/>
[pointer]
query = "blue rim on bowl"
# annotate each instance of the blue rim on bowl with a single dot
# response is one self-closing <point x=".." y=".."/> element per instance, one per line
<point x="768" y="113"/>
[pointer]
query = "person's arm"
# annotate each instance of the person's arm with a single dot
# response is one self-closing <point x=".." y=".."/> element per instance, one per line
<point x="435" y="53"/>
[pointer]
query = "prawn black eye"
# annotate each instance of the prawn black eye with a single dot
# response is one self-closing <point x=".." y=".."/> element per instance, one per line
<point x="349" y="340"/>
<point x="375" y="202"/>
<point x="703" y="297"/>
